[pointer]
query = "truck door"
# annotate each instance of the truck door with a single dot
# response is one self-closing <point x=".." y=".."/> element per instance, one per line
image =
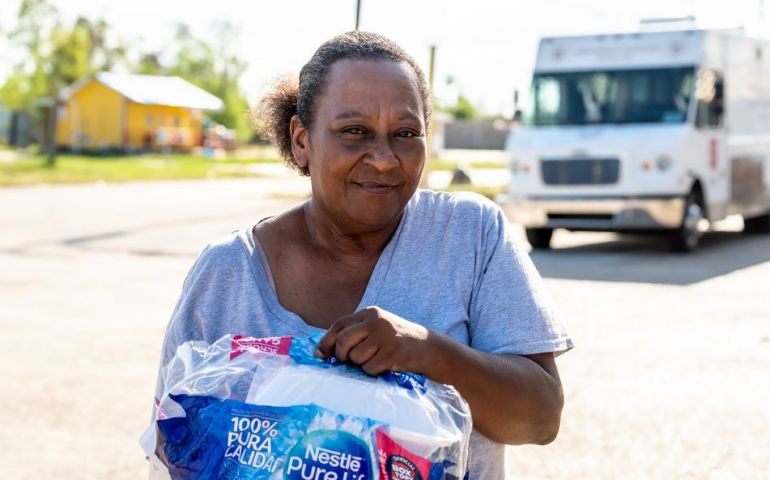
<point x="711" y="144"/>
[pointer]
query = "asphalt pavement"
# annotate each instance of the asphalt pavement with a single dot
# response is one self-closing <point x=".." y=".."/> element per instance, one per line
<point x="669" y="378"/>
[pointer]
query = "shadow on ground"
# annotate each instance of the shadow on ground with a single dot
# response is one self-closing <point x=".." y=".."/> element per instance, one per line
<point x="646" y="259"/>
<point x="133" y="239"/>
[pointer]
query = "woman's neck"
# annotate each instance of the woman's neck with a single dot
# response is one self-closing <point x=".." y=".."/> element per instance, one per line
<point x="341" y="241"/>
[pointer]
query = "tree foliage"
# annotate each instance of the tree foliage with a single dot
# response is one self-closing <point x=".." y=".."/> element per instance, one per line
<point x="214" y="69"/>
<point x="463" y="109"/>
<point x="15" y="92"/>
<point x="30" y="78"/>
<point x="55" y="55"/>
<point x="71" y="52"/>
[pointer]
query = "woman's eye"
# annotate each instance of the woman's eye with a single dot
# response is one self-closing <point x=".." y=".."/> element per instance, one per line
<point x="354" y="131"/>
<point x="408" y="134"/>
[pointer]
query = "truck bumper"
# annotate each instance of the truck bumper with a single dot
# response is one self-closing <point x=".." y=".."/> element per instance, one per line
<point x="596" y="213"/>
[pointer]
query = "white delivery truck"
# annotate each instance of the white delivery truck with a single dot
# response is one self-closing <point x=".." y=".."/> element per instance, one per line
<point x="650" y="131"/>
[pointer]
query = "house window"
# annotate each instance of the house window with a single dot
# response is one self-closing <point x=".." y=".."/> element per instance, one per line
<point x="177" y="121"/>
<point x="148" y="120"/>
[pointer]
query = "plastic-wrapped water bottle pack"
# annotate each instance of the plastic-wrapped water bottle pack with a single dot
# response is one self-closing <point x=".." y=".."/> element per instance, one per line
<point x="267" y="408"/>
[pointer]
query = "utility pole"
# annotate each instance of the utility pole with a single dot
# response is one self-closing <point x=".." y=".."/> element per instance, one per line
<point x="51" y="157"/>
<point x="432" y="66"/>
<point x="358" y="13"/>
<point x="53" y="119"/>
<point x="429" y="137"/>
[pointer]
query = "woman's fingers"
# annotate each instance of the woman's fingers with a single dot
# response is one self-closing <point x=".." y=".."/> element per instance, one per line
<point x="363" y="351"/>
<point x="328" y="343"/>
<point x="376" y="338"/>
<point x="378" y="364"/>
<point x="348" y="338"/>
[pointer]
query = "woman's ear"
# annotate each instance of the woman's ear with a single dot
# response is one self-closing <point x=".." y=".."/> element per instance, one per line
<point x="299" y="141"/>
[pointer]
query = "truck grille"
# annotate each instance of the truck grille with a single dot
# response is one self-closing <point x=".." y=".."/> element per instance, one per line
<point x="580" y="171"/>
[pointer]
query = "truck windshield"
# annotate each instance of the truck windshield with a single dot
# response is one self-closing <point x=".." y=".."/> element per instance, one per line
<point x="659" y="95"/>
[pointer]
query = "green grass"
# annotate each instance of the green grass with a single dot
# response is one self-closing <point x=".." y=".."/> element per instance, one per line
<point x="438" y="164"/>
<point x="82" y="169"/>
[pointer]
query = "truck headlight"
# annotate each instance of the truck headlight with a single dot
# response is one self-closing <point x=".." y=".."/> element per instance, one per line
<point x="663" y="162"/>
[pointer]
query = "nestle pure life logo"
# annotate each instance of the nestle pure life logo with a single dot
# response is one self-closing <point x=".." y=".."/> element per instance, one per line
<point x="329" y="455"/>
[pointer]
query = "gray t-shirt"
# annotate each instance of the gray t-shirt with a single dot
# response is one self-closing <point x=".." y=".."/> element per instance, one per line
<point x="451" y="265"/>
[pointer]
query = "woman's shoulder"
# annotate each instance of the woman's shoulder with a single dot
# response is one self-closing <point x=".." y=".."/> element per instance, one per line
<point x="455" y="207"/>
<point x="225" y="252"/>
<point x="227" y="245"/>
<point x="453" y="200"/>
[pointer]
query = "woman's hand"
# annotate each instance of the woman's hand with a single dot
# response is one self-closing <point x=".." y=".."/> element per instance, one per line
<point x="376" y="340"/>
<point x="514" y="399"/>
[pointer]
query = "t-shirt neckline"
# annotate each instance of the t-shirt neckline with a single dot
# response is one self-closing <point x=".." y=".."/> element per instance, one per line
<point x="264" y="276"/>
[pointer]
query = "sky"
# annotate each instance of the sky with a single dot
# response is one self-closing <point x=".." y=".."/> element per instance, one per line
<point x="485" y="49"/>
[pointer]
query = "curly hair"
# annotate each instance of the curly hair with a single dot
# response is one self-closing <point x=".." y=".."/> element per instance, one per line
<point x="290" y="96"/>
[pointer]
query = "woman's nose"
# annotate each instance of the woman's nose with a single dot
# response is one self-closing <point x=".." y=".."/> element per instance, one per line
<point x="381" y="155"/>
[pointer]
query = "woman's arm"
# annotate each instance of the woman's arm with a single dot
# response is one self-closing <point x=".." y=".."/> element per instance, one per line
<point x="513" y="399"/>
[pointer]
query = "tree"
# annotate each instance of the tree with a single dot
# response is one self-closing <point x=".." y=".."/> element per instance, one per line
<point x="209" y="65"/>
<point x="213" y="68"/>
<point x="463" y="109"/>
<point x="149" y="64"/>
<point x="14" y="93"/>
<point x="70" y="54"/>
<point x="56" y="55"/>
<point x="29" y="78"/>
<point x="101" y="55"/>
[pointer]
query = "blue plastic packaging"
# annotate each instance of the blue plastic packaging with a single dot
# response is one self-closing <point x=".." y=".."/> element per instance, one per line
<point x="249" y="408"/>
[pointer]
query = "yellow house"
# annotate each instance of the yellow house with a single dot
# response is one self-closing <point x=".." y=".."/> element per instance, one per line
<point x="117" y="111"/>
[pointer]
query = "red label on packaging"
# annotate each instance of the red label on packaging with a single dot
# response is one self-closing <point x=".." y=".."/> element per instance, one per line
<point x="274" y="345"/>
<point x="398" y="463"/>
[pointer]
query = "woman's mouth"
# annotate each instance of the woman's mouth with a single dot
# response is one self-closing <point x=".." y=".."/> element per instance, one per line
<point x="376" y="188"/>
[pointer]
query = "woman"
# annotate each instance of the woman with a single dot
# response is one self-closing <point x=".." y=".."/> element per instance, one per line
<point x="400" y="279"/>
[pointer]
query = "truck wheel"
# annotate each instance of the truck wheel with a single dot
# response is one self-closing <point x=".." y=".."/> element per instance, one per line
<point x="685" y="238"/>
<point x="760" y="224"/>
<point x="539" y="238"/>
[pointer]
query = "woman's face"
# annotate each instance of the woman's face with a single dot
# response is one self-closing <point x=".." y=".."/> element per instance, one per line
<point x="366" y="149"/>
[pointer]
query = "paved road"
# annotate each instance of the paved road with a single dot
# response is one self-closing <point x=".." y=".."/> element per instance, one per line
<point x="669" y="380"/>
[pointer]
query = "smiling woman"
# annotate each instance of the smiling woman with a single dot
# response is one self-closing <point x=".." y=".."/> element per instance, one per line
<point x="366" y="155"/>
<point x="395" y="278"/>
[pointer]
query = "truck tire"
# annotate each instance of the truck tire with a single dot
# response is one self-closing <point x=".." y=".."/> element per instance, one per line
<point x="539" y="238"/>
<point x="685" y="238"/>
<point x="760" y="224"/>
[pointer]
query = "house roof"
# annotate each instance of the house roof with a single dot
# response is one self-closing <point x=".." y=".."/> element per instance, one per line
<point x="156" y="90"/>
